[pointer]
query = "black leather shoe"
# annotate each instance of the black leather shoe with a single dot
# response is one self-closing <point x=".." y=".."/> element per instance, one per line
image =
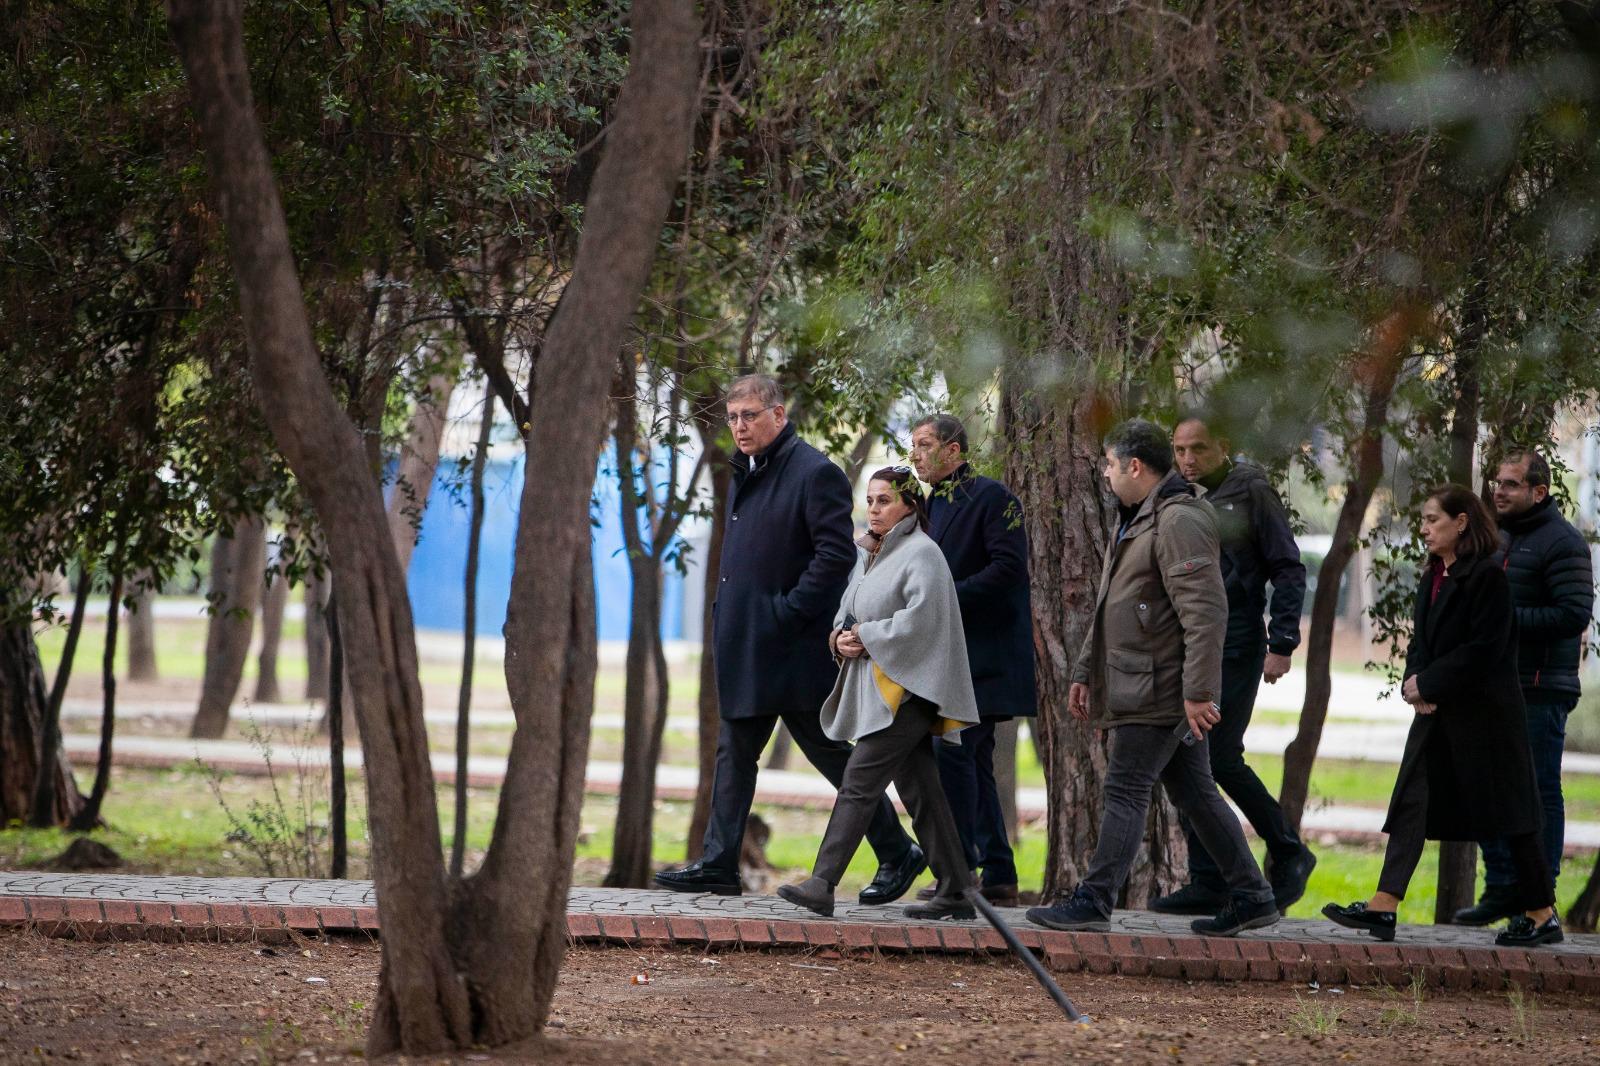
<point x="1356" y="916"/>
<point x="696" y="878"/>
<point x="1495" y="904"/>
<point x="895" y="878"/>
<point x="814" y="894"/>
<point x="1289" y="878"/>
<point x="1190" y="899"/>
<point x="1002" y="895"/>
<point x="1522" y="933"/>
<point x="1236" y="917"/>
<point x="954" y="908"/>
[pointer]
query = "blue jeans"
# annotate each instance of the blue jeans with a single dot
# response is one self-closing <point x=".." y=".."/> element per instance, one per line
<point x="967" y="772"/>
<point x="1547" y="736"/>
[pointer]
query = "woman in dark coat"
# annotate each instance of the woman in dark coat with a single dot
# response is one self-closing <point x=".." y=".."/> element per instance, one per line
<point x="1467" y="772"/>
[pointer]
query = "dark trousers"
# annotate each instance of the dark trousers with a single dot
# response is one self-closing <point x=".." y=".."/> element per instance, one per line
<point x="1241" y="678"/>
<point x="966" y="771"/>
<point x="1141" y="755"/>
<point x="1531" y="887"/>
<point x="1547" y="736"/>
<point x="739" y="746"/>
<point x="902" y="753"/>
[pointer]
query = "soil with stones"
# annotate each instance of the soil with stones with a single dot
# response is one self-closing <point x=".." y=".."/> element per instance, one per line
<point x="306" y="1001"/>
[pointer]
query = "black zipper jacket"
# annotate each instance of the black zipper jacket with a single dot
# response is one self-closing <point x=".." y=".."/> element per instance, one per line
<point x="1257" y="547"/>
<point x="1552" y="588"/>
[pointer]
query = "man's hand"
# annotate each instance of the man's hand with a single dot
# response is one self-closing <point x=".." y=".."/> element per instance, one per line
<point x="1078" y="701"/>
<point x="849" y="644"/>
<point x="1425" y="708"/>
<point x="1202" y="715"/>
<point x="1409" y="691"/>
<point x="1275" y="667"/>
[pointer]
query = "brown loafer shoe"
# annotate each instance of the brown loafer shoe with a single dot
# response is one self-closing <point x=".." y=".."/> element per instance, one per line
<point x="1002" y="895"/>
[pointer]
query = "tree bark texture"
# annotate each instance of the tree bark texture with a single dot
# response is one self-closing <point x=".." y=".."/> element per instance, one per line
<point x="419" y="460"/>
<point x="423" y="1003"/>
<point x="142" y="636"/>
<point x="513" y="927"/>
<point x="710" y="712"/>
<point x="1376" y="380"/>
<point x="339" y="858"/>
<point x="469" y="633"/>
<point x="238" y="560"/>
<point x="1584" y="913"/>
<point x="274" y="604"/>
<point x="88" y="817"/>
<point x="315" y="597"/>
<point x="47" y="805"/>
<point x="23" y="707"/>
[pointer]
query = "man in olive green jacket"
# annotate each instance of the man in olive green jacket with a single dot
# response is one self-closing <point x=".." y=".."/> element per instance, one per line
<point x="1150" y="672"/>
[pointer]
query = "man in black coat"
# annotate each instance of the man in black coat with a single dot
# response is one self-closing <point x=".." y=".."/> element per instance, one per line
<point x="1258" y="548"/>
<point x="787" y="554"/>
<point x="977" y="523"/>
<point x="1552" y="591"/>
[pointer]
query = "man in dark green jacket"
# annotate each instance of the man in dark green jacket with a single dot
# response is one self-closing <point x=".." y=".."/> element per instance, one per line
<point x="1150" y="672"/>
<point x="1552" y="589"/>
<point x="1258" y="548"/>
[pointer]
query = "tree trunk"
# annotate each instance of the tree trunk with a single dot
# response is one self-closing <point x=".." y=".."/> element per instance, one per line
<point x="1376" y="378"/>
<point x="1005" y="773"/>
<point x="476" y="966"/>
<point x="710" y="716"/>
<point x="47" y="805"/>
<point x="142" y="634"/>
<point x="23" y="707"/>
<point x="273" y="606"/>
<point x="419" y="460"/>
<point x="238" y="561"/>
<point x="316" y="629"/>
<point x="782" y="745"/>
<point x="88" y="817"/>
<point x="1584" y="913"/>
<point x="469" y="632"/>
<point x="339" y="860"/>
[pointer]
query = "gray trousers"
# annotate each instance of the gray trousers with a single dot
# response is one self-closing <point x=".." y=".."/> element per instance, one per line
<point x="1140" y="756"/>
<point x="901" y="753"/>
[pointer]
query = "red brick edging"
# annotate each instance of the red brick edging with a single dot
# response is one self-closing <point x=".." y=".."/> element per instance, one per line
<point x="1183" y="958"/>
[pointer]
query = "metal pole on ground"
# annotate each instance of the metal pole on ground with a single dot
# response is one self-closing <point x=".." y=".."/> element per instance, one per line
<point x="986" y="909"/>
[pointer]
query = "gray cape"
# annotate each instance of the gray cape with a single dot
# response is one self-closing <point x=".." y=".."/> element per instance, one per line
<point x="910" y="623"/>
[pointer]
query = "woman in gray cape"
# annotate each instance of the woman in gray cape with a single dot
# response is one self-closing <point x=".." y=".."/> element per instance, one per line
<point x="904" y="681"/>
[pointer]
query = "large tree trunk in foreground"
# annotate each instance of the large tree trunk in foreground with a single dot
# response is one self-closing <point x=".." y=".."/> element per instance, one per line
<point x="142" y="636"/>
<point x="238" y="561"/>
<point x="478" y="965"/>
<point x="23" y="706"/>
<point x="89" y="816"/>
<point x="1376" y="378"/>
<point x="419" y="460"/>
<point x="274" y="605"/>
<point x="710" y="716"/>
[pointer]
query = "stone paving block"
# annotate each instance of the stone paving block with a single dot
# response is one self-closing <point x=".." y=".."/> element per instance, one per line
<point x="301" y="918"/>
<point x="198" y="915"/>
<point x="822" y="934"/>
<point x="83" y="910"/>
<point x="156" y="913"/>
<point x="687" y="930"/>
<point x="652" y="930"/>
<point x="118" y="911"/>
<point x="721" y="932"/>
<point x="1134" y="964"/>
<point x="583" y="927"/>
<point x="367" y="919"/>
<point x="265" y="916"/>
<point x="1029" y="936"/>
<point x="13" y="910"/>
<point x="754" y="933"/>
<point x="957" y="938"/>
<point x="1518" y="969"/>
<point x="791" y="934"/>
<point x="1195" y="956"/>
<point x="1254" y="950"/>
<point x="989" y="939"/>
<point x="858" y="937"/>
<point x="890" y="938"/>
<point x="339" y="918"/>
<point x="1485" y="969"/>
<point x="924" y="938"/>
<point x="1550" y="975"/>
<point x="619" y="928"/>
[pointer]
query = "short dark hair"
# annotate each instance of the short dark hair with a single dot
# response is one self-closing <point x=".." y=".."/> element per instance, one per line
<point x="946" y="427"/>
<point x="759" y="387"/>
<point x="904" y="479"/>
<point x="1538" y="470"/>
<point x="1479" y="538"/>
<point x="1141" y="439"/>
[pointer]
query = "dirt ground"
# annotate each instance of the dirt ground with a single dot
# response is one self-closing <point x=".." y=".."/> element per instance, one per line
<point x="139" y="1002"/>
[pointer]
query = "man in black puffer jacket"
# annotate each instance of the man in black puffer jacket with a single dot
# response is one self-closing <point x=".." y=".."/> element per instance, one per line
<point x="1552" y="588"/>
<point x="1258" y="548"/>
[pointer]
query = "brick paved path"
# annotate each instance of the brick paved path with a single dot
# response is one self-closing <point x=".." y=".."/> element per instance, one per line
<point x="1140" y="943"/>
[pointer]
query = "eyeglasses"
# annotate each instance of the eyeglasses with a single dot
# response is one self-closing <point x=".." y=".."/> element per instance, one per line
<point x="747" y="417"/>
<point x="1508" y="484"/>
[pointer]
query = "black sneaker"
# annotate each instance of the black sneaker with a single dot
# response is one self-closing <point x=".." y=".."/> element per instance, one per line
<point x="1356" y="916"/>
<point x="1190" y="899"/>
<point x="697" y="878"/>
<point x="1497" y="902"/>
<point x="1289" y="878"/>
<point x="1076" y="914"/>
<point x="1236" y="917"/>
<point x="1522" y="933"/>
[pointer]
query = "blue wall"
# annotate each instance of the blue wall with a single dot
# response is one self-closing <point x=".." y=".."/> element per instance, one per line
<point x="439" y="564"/>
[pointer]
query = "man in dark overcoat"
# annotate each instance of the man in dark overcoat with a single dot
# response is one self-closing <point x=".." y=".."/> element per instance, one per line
<point x="787" y="554"/>
<point x="977" y="523"/>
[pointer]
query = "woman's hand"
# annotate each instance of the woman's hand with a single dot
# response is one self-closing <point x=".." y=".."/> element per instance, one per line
<point x="1409" y="691"/>
<point x="1425" y="708"/>
<point x="848" y="644"/>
